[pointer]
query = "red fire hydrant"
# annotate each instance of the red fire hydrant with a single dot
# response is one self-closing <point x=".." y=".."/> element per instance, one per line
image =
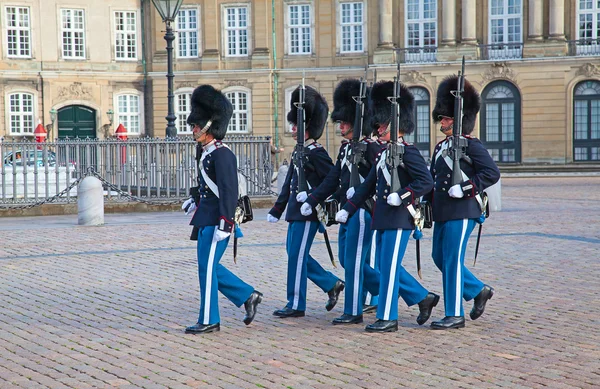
<point x="121" y="134"/>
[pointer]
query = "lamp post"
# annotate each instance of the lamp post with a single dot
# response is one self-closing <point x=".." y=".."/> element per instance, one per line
<point x="110" y="115"/>
<point x="53" y="114"/>
<point x="168" y="10"/>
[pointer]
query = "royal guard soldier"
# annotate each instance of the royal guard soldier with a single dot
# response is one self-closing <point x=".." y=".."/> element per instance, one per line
<point x="215" y="199"/>
<point x="458" y="208"/>
<point x="392" y="218"/>
<point x="302" y="229"/>
<point x="354" y="237"/>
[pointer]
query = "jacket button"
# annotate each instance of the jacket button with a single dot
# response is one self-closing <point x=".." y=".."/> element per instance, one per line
<point x="385" y="191"/>
<point x="448" y="175"/>
<point x="445" y="182"/>
<point x="384" y="197"/>
<point x="444" y="189"/>
<point x="434" y="170"/>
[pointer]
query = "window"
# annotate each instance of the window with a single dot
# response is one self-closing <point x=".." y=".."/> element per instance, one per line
<point x="20" y="113"/>
<point x="286" y="108"/>
<point x="187" y="33"/>
<point x="586" y="121"/>
<point x="420" y="137"/>
<point x="129" y="113"/>
<point x="239" y="120"/>
<point x="421" y="30"/>
<point x="125" y="35"/>
<point x="505" y="29"/>
<point x="588" y="27"/>
<point x="236" y="31"/>
<point x="352" y="27"/>
<point x="182" y="110"/>
<point x="73" y="33"/>
<point x="299" y="34"/>
<point x="501" y="122"/>
<point x="18" y="32"/>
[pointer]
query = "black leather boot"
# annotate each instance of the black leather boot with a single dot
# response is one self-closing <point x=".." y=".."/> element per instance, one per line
<point x="480" y="300"/>
<point x="383" y="326"/>
<point x="334" y="294"/>
<point x="348" y="319"/>
<point x="426" y="307"/>
<point x="449" y="322"/>
<point x="250" y="306"/>
<point x="369" y="308"/>
<point x="203" y="328"/>
<point x="288" y="312"/>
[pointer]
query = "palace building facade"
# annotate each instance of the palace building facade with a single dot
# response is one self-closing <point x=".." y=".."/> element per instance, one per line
<point x="82" y="67"/>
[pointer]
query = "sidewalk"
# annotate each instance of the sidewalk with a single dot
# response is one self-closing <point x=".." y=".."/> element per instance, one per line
<point x="106" y="306"/>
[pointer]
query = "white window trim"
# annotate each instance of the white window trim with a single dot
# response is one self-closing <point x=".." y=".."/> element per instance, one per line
<point x="181" y="91"/>
<point x="339" y="35"/>
<point x="224" y="41"/>
<point x="7" y="126"/>
<point x="595" y="11"/>
<point x="141" y="105"/>
<point x="420" y="21"/>
<point x="248" y="93"/>
<point x="5" y="29"/>
<point x="137" y="35"/>
<point x="198" y="32"/>
<point x="504" y="17"/>
<point x="288" y="35"/>
<point x="85" y="33"/>
<point x="288" y="101"/>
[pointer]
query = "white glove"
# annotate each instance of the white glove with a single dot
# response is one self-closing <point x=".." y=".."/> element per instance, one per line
<point x="342" y="216"/>
<point x="220" y="235"/>
<point x="305" y="209"/>
<point x="394" y="199"/>
<point x="271" y="218"/>
<point x="350" y="193"/>
<point x="456" y="191"/>
<point x="189" y="206"/>
<point x="301" y="197"/>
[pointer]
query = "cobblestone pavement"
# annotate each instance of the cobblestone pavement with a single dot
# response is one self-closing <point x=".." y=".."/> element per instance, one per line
<point x="106" y="306"/>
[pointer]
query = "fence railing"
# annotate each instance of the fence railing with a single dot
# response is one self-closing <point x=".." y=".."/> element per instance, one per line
<point x="500" y="51"/>
<point x="424" y="54"/>
<point x="145" y="167"/>
<point x="584" y="47"/>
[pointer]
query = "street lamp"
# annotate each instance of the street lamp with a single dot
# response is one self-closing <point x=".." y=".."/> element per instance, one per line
<point x="110" y="115"/>
<point x="168" y="10"/>
<point x="53" y="114"/>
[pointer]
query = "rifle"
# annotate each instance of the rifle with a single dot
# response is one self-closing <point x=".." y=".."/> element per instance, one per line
<point x="395" y="151"/>
<point x="299" y="156"/>
<point x="458" y="146"/>
<point x="358" y="148"/>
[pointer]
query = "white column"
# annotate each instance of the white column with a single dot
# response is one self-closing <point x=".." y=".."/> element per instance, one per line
<point x="557" y="19"/>
<point x="536" y="17"/>
<point x="449" y="22"/>
<point x="469" y="21"/>
<point x="386" y="38"/>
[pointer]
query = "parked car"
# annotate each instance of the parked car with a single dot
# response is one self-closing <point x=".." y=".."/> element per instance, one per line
<point x="33" y="157"/>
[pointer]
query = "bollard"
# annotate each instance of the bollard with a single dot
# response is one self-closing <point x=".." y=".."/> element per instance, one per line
<point x="494" y="193"/>
<point x="90" y="202"/>
<point x="281" y="174"/>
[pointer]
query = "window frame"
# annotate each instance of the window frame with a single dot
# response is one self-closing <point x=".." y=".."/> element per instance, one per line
<point x="8" y="112"/>
<point x="62" y="31"/>
<point x="18" y="31"/>
<point x="178" y="93"/>
<point x="589" y="142"/>
<point x="236" y="111"/>
<point x="340" y="27"/>
<point x="420" y="21"/>
<point x="226" y="29"/>
<point x="125" y="33"/>
<point x="595" y="12"/>
<point x="118" y="113"/>
<point x="288" y="27"/>
<point x="288" y="101"/>
<point x="198" y="32"/>
<point x="422" y="146"/>
<point x="505" y="16"/>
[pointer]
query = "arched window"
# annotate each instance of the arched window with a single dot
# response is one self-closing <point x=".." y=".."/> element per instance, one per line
<point x="586" y="121"/>
<point x="501" y="122"/>
<point x="240" y="120"/>
<point x="420" y="137"/>
<point x="182" y="110"/>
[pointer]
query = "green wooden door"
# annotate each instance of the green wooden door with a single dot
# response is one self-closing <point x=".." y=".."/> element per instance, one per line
<point x="76" y="121"/>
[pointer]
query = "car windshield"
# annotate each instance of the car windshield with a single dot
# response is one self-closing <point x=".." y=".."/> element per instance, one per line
<point x="38" y="157"/>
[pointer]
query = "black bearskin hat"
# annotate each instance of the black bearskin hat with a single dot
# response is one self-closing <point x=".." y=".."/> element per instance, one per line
<point x="344" y="106"/>
<point x="315" y="112"/>
<point x="380" y="108"/>
<point x="444" y="104"/>
<point x="210" y="104"/>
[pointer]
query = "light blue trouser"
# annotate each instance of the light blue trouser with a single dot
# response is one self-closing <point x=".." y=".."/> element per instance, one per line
<point x="450" y="240"/>
<point x="394" y="277"/>
<point x="354" y="243"/>
<point x="301" y="266"/>
<point x="213" y="276"/>
<point x="373" y="262"/>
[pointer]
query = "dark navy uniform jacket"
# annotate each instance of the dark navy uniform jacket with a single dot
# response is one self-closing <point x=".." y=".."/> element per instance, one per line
<point x="415" y="181"/>
<point x="316" y="169"/>
<point x="220" y="165"/>
<point x="481" y="174"/>
<point x="337" y="181"/>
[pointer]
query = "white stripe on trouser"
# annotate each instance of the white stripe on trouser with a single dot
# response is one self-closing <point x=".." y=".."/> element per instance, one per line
<point x="299" y="265"/>
<point x="458" y="296"/>
<point x="392" y="281"/>
<point x="209" y="272"/>
<point x="372" y="262"/>
<point x="357" y="268"/>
